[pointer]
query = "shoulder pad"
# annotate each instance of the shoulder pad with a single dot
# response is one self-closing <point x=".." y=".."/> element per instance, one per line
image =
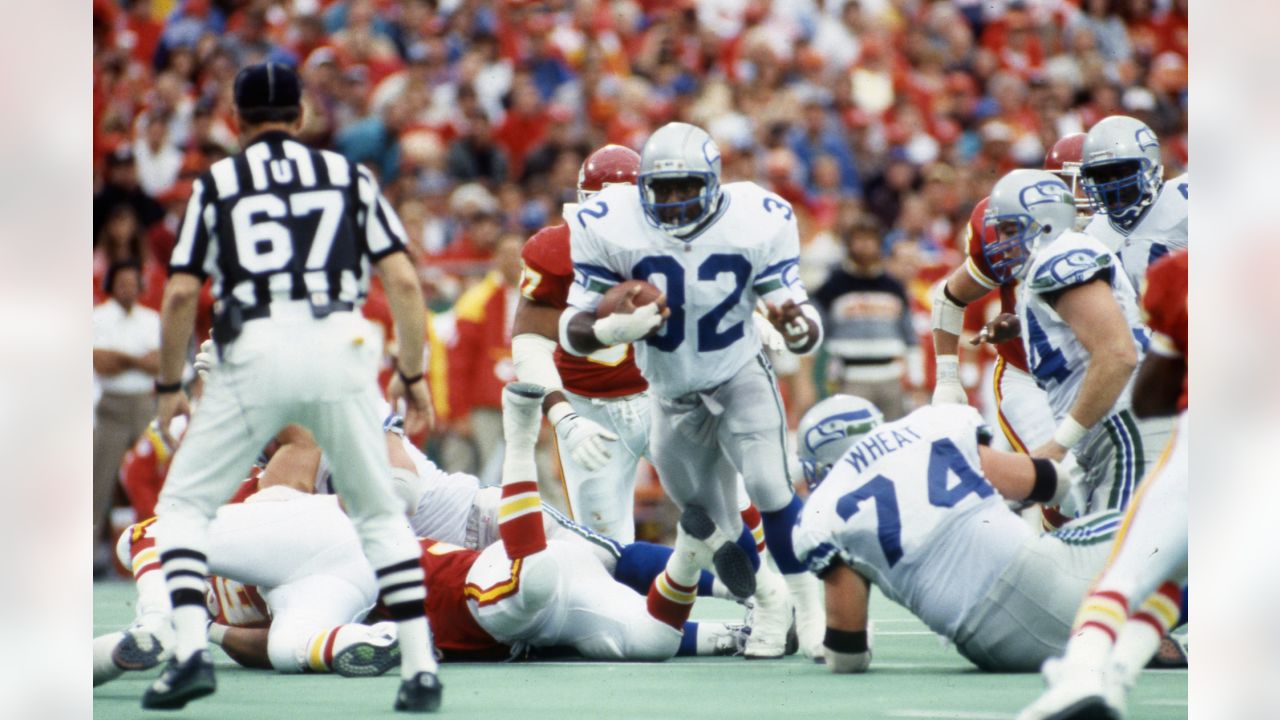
<point x="1070" y="263"/>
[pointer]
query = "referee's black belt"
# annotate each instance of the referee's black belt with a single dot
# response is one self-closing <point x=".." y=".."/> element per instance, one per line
<point x="258" y="312"/>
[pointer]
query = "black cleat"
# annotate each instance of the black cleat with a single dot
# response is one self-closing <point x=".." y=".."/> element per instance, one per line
<point x="421" y="693"/>
<point x="180" y="683"/>
<point x="1089" y="708"/>
<point x="732" y="565"/>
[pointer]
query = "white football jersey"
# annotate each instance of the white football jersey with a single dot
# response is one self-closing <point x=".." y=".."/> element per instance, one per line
<point x="712" y="280"/>
<point x="1161" y="231"/>
<point x="908" y="508"/>
<point x="1057" y="359"/>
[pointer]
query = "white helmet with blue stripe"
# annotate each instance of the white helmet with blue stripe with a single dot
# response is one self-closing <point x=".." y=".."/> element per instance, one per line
<point x="1121" y="169"/>
<point x="679" y="178"/>
<point x="829" y="429"/>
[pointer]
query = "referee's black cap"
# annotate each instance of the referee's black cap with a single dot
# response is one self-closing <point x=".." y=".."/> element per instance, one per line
<point x="268" y="85"/>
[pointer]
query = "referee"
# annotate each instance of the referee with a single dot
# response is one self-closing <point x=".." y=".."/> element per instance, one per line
<point x="288" y="235"/>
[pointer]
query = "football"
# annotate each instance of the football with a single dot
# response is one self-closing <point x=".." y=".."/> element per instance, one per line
<point x="613" y="298"/>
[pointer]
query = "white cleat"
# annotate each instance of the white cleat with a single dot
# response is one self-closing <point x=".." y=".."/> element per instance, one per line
<point x="1073" y="693"/>
<point x="772" y="620"/>
<point x="522" y="413"/>
<point x="811" y="614"/>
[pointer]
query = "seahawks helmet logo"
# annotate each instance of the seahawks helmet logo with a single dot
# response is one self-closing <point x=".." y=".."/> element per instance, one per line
<point x="838" y="427"/>
<point x="1045" y="193"/>
<point x="710" y="152"/>
<point x="1146" y="139"/>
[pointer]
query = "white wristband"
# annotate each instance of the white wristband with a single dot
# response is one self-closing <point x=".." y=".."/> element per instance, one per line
<point x="558" y="412"/>
<point x="216" y="633"/>
<point x="948" y="368"/>
<point x="1069" y="433"/>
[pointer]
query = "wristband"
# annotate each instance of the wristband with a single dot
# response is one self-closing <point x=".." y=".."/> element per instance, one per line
<point x="947" y="368"/>
<point x="558" y="412"/>
<point x="217" y="632"/>
<point x="407" y="379"/>
<point x="1069" y="433"/>
<point x="845" y="641"/>
<point x="1046" y="484"/>
<point x="166" y="388"/>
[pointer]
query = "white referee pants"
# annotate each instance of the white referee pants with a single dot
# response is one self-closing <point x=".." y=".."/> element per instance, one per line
<point x="289" y="368"/>
<point x="604" y="499"/>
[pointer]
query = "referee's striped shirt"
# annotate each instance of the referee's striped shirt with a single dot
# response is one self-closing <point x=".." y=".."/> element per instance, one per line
<point x="280" y="220"/>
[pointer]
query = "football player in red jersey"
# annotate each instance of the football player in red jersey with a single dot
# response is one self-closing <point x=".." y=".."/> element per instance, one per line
<point x="1022" y="407"/>
<point x="597" y="404"/>
<point x="1139" y="595"/>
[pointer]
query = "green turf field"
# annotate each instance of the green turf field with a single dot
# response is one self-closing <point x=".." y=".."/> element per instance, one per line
<point x="913" y="676"/>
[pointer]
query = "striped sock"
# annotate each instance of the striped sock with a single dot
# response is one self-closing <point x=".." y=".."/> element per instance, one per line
<point x="321" y="648"/>
<point x="520" y="519"/>
<point x="184" y="572"/>
<point x="671" y="602"/>
<point x="755" y="524"/>
<point x="403" y="592"/>
<point x="1097" y="625"/>
<point x="1141" y="636"/>
<point x="153" y="594"/>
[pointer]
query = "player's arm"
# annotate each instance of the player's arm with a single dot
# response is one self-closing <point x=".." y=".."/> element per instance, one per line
<point x="1099" y="324"/>
<point x="247" y="646"/>
<point x="1158" y="385"/>
<point x="949" y="301"/>
<point x="785" y="297"/>
<point x="1021" y="478"/>
<point x="845" y="645"/>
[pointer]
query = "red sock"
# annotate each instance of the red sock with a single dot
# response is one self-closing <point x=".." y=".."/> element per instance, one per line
<point x="751" y="518"/>
<point x="520" y="519"/>
<point x="671" y="602"/>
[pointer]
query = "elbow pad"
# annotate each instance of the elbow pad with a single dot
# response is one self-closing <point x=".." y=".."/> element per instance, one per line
<point x="948" y="315"/>
<point x="534" y="358"/>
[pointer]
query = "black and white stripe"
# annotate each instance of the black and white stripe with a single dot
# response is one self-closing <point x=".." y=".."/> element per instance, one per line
<point x="282" y="221"/>
<point x="184" y="573"/>
<point x="401" y="588"/>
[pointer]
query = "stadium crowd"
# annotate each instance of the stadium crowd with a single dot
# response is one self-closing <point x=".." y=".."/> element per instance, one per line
<point x="884" y="116"/>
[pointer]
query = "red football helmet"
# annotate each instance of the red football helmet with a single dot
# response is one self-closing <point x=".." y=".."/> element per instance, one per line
<point x="610" y="165"/>
<point x="1064" y="160"/>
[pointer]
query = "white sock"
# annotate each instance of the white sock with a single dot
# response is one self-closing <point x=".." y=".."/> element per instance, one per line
<point x="104" y="668"/>
<point x="190" y="623"/>
<point x="417" y="652"/>
<point x="153" y="594"/>
<point x="683" y="566"/>
<point x="1135" y="646"/>
<point x="1089" y="647"/>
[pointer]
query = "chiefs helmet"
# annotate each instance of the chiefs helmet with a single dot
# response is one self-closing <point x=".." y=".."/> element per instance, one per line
<point x="1064" y="160"/>
<point x="610" y="165"/>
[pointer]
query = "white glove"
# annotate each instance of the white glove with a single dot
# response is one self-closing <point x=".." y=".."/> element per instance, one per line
<point x="769" y="334"/>
<point x="1070" y="477"/>
<point x="621" y="328"/>
<point x="585" y="439"/>
<point x="946" y="386"/>
<point x="206" y="360"/>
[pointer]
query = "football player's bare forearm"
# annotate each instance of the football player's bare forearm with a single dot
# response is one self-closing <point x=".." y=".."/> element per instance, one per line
<point x="536" y="318"/>
<point x="1105" y="379"/>
<point x="1158" y="385"/>
<point x="247" y="646"/>
<point x="1012" y="474"/>
<point x="846" y="596"/>
<point x="581" y="334"/>
<point x="177" y="321"/>
<point x="404" y="295"/>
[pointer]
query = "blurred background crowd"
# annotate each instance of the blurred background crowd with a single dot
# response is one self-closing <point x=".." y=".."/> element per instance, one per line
<point x="882" y="118"/>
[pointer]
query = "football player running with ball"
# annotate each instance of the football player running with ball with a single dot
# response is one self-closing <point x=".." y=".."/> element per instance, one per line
<point x="714" y="251"/>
